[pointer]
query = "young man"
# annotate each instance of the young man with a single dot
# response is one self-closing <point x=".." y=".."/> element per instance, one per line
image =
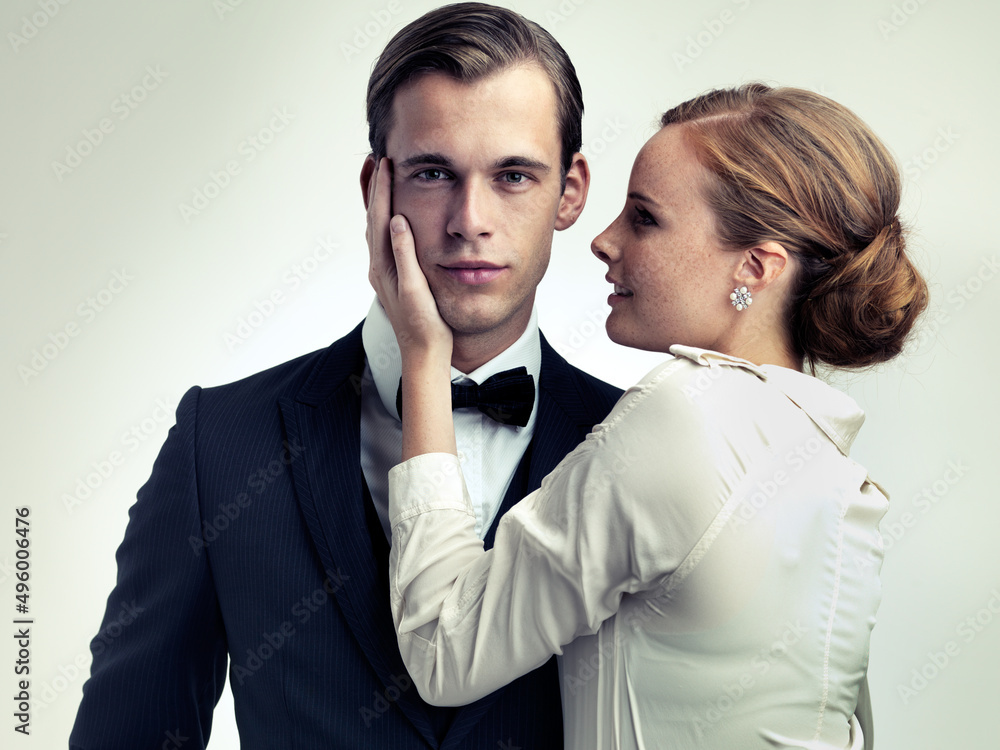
<point x="262" y="534"/>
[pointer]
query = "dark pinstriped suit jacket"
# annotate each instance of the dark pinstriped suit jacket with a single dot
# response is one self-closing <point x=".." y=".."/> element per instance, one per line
<point x="251" y="539"/>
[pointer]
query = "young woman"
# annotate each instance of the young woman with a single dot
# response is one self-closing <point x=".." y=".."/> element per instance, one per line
<point x="707" y="560"/>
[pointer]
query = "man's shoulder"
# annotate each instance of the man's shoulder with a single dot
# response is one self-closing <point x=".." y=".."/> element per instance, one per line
<point x="305" y="375"/>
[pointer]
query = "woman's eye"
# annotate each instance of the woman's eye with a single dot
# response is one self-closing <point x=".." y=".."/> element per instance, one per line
<point x="642" y="217"/>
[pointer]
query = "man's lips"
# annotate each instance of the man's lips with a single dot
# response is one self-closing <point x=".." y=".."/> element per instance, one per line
<point x="473" y="272"/>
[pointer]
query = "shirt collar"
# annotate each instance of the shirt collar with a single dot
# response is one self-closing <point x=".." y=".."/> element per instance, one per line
<point x="385" y="363"/>
<point x="835" y="413"/>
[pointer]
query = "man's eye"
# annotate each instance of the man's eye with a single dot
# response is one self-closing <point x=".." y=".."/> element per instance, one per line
<point x="431" y="175"/>
<point x="515" y="178"/>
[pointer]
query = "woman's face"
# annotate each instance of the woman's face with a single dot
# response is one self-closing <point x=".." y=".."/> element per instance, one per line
<point x="671" y="274"/>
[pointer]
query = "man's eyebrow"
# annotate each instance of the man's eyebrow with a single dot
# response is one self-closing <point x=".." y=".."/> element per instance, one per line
<point x="522" y="161"/>
<point x="437" y="159"/>
<point x="508" y="162"/>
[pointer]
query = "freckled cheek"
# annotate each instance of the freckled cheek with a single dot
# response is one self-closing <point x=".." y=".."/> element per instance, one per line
<point x="648" y="269"/>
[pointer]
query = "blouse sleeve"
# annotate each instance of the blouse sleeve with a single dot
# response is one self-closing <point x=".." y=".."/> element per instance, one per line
<point x="618" y="515"/>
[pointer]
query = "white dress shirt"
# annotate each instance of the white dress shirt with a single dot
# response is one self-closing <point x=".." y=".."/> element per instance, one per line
<point x="706" y="561"/>
<point x="488" y="451"/>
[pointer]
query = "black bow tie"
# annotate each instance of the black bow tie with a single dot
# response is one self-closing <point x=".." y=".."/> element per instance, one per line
<point x="507" y="397"/>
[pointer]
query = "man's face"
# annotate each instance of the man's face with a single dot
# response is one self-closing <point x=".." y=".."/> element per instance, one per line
<point x="476" y="171"/>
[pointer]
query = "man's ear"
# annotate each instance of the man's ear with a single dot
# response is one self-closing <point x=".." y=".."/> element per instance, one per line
<point x="574" y="196"/>
<point x="367" y="172"/>
<point x="761" y="265"/>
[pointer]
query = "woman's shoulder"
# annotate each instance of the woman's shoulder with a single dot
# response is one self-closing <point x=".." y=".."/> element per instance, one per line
<point x="683" y="407"/>
<point x="689" y="367"/>
<point x="697" y="401"/>
<point x="691" y="379"/>
<point x="759" y="403"/>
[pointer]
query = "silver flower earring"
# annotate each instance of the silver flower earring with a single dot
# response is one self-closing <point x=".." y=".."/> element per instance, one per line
<point x="741" y="298"/>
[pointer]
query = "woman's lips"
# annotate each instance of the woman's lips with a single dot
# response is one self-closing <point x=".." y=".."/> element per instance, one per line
<point x="620" y="293"/>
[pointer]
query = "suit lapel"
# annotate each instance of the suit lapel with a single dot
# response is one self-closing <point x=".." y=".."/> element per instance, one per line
<point x="564" y="418"/>
<point x="325" y="418"/>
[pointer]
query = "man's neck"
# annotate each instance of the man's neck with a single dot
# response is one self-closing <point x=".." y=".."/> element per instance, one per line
<point x="471" y="351"/>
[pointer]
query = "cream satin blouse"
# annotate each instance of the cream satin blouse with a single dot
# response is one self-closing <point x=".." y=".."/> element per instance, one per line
<point x="706" y="562"/>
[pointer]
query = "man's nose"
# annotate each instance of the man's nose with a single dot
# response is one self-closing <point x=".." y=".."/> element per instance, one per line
<point x="471" y="213"/>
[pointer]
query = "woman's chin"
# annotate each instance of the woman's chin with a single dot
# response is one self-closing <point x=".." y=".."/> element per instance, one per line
<point x="622" y="336"/>
<point x="635" y="339"/>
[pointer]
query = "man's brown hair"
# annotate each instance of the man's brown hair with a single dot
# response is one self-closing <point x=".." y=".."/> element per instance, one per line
<point x="469" y="42"/>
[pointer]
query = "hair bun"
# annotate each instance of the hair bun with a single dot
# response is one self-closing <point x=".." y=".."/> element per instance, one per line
<point x="860" y="312"/>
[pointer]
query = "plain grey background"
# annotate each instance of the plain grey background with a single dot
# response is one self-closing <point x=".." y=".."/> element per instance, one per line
<point x="121" y="288"/>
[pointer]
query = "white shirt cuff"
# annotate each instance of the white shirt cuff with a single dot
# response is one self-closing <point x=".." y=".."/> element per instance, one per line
<point x="431" y="481"/>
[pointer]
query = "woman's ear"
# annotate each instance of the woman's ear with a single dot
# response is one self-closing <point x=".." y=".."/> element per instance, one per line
<point x="761" y="265"/>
